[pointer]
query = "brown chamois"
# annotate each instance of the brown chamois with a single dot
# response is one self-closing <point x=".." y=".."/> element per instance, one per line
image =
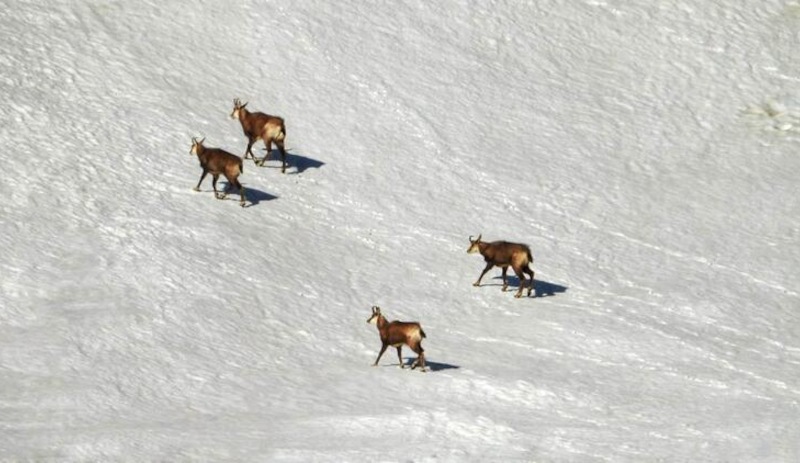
<point x="504" y="254"/>
<point x="216" y="161"/>
<point x="396" y="334"/>
<point x="260" y="126"/>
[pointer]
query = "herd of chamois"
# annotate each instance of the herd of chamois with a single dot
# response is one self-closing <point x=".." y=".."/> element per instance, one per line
<point x="259" y="126"/>
<point x="256" y="126"/>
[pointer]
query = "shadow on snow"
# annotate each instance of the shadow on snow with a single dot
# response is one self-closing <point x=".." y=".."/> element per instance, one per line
<point x="253" y="196"/>
<point x="436" y="366"/>
<point x="432" y="366"/>
<point x="540" y="288"/>
<point x="298" y="161"/>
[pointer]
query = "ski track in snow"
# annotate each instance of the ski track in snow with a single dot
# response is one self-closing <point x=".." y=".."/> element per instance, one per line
<point x="645" y="151"/>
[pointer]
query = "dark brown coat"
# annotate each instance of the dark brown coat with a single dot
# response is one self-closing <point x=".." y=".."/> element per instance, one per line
<point x="218" y="162"/>
<point x="396" y="334"/>
<point x="259" y="126"/>
<point x="504" y="254"/>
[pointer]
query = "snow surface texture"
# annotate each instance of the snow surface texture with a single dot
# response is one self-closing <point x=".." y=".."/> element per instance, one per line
<point x="647" y="151"/>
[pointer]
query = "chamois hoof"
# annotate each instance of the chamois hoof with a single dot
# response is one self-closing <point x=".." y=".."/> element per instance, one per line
<point x="196" y="189"/>
<point x="518" y="295"/>
<point x="476" y="284"/>
<point x="505" y="288"/>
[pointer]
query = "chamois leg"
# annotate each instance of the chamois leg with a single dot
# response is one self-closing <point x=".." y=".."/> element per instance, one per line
<point x="214" y="184"/>
<point x="489" y="266"/>
<point x="202" y="176"/>
<point x="518" y="271"/>
<point x="249" y="152"/>
<point x="241" y="191"/>
<point x="267" y="150"/>
<point x="505" y="281"/>
<point x="227" y="187"/>
<point x="283" y="155"/>
<point x="420" y="361"/>
<point x="400" y="356"/>
<point x="528" y="270"/>
<point x="383" y="349"/>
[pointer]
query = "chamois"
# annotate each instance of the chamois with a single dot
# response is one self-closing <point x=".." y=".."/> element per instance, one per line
<point x="504" y="254"/>
<point x="396" y="334"/>
<point x="216" y="161"/>
<point x="260" y="126"/>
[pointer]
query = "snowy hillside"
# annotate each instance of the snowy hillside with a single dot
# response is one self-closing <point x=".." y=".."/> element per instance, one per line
<point x="647" y="151"/>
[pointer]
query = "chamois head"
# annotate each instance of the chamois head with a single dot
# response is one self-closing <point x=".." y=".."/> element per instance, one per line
<point x="196" y="144"/>
<point x="473" y="245"/>
<point x="238" y="106"/>
<point x="376" y="314"/>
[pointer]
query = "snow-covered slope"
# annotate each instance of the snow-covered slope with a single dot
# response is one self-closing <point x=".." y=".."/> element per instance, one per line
<point x="647" y="151"/>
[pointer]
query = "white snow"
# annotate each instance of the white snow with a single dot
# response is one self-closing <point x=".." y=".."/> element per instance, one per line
<point x="647" y="151"/>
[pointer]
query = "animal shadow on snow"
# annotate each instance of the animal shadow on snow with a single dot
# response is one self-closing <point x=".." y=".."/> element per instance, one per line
<point x="437" y="366"/>
<point x="252" y="195"/>
<point x="540" y="288"/>
<point x="432" y="366"/>
<point x="295" y="163"/>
